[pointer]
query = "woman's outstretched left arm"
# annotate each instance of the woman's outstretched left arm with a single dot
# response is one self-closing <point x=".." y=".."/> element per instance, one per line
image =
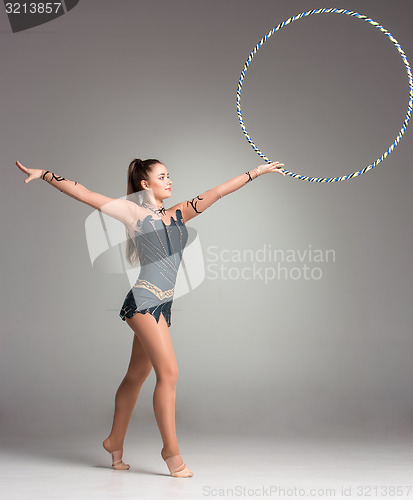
<point x="192" y="208"/>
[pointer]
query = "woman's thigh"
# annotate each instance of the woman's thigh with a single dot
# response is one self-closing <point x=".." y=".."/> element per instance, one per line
<point x="139" y="364"/>
<point x="156" y="341"/>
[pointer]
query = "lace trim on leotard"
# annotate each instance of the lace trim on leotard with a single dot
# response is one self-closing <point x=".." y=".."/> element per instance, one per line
<point x="154" y="289"/>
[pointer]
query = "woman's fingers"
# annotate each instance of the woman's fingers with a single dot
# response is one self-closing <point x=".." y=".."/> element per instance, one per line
<point x="274" y="166"/>
<point x="26" y="171"/>
<point x="277" y="166"/>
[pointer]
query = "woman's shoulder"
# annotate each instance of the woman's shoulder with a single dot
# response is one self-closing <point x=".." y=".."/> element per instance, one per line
<point x="176" y="210"/>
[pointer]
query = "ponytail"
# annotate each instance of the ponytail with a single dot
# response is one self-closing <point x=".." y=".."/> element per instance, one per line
<point x="138" y="171"/>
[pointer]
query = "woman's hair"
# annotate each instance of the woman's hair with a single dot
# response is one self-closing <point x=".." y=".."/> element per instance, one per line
<point x="138" y="171"/>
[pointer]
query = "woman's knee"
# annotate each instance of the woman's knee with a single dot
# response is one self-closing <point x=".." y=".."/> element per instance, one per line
<point x="138" y="374"/>
<point x="168" y="374"/>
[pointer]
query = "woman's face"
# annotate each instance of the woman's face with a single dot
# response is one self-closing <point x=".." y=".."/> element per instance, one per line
<point x="159" y="182"/>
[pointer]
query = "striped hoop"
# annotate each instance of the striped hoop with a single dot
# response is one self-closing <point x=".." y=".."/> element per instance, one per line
<point x="325" y="11"/>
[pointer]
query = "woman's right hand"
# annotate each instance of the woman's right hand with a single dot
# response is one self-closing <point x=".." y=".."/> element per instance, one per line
<point x="266" y="168"/>
<point x="33" y="173"/>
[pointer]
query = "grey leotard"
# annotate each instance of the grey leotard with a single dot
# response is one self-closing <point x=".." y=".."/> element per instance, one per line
<point x="160" y="248"/>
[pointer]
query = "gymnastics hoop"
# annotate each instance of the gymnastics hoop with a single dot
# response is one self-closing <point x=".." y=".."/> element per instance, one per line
<point x="290" y="20"/>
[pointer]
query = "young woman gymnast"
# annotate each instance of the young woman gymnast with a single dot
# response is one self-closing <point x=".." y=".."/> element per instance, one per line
<point x="156" y="237"/>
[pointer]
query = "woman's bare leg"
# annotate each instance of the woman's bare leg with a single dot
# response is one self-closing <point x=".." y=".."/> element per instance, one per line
<point x="126" y="397"/>
<point x="156" y="341"/>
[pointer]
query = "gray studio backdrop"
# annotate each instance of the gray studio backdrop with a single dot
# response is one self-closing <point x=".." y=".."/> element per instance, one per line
<point x="261" y="346"/>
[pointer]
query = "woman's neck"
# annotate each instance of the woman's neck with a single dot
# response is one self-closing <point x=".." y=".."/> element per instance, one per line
<point x="153" y="202"/>
<point x="155" y="207"/>
<point x="159" y="205"/>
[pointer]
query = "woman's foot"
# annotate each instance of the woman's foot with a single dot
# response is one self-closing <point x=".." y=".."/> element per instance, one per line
<point x="176" y="466"/>
<point x="117" y="462"/>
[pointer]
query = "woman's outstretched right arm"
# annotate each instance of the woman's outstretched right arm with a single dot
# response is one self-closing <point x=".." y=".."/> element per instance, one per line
<point x="122" y="210"/>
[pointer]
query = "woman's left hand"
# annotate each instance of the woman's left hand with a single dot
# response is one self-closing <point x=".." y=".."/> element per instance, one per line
<point x="275" y="166"/>
<point x="33" y="173"/>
